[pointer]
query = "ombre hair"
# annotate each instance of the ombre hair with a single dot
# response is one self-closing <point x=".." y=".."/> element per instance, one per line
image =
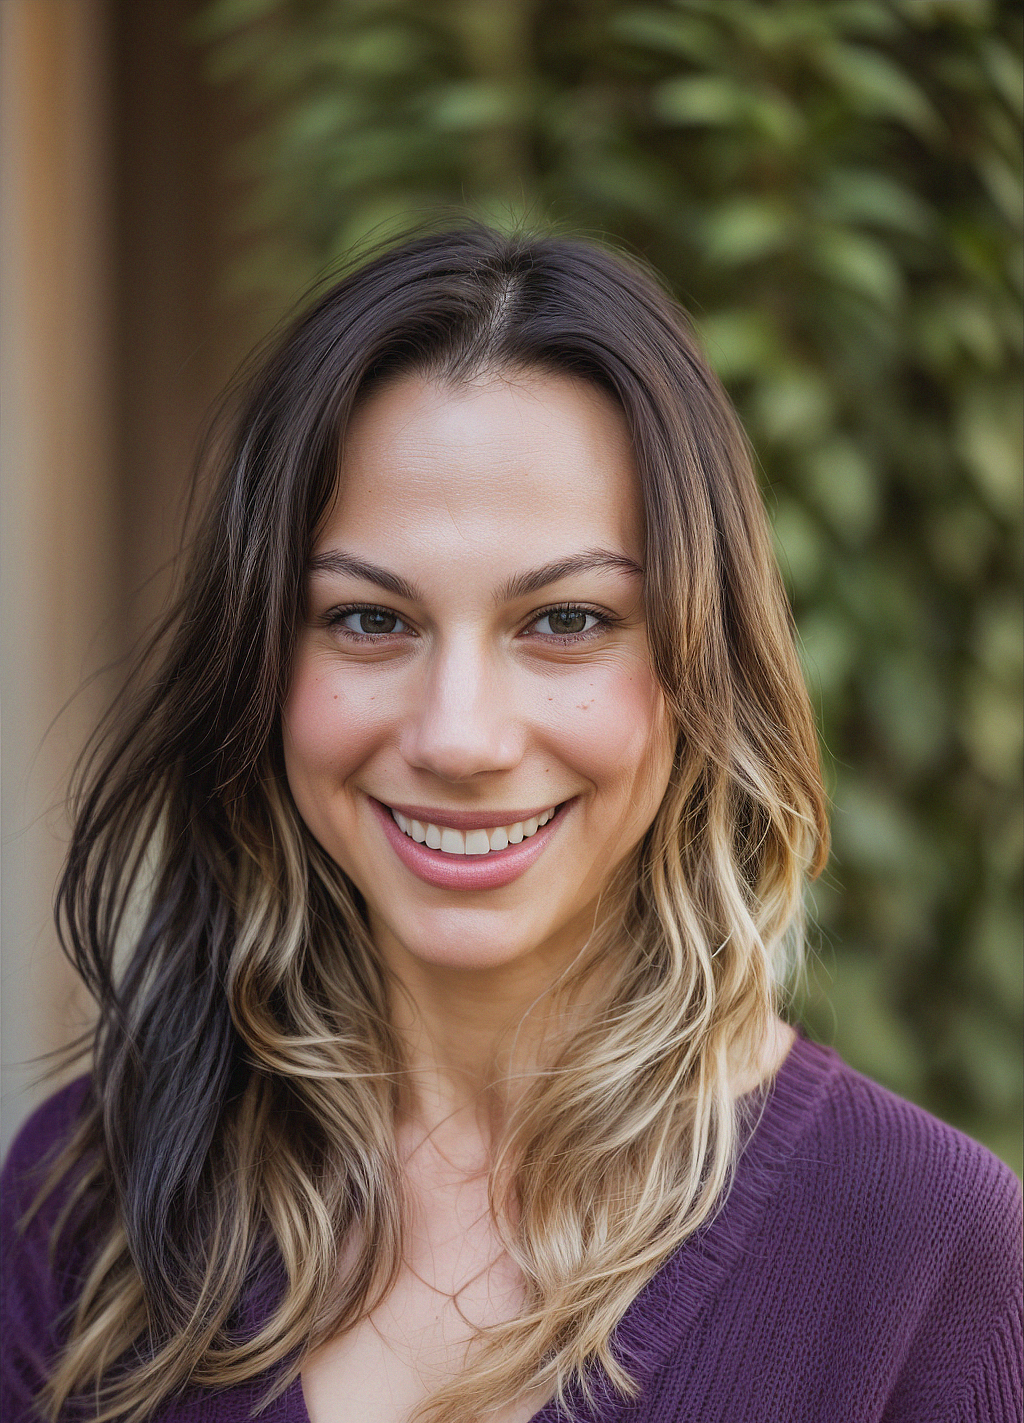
<point x="238" y="1138"/>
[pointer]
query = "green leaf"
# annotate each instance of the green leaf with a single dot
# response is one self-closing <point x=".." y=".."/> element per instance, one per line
<point x="221" y="18"/>
<point x="1006" y="71"/>
<point x="800" y="545"/>
<point x="466" y="107"/>
<point x="923" y="13"/>
<point x="841" y="483"/>
<point x="863" y="195"/>
<point x="793" y="405"/>
<point x="961" y="538"/>
<point x="685" y="36"/>
<point x="739" y="343"/>
<point x="871" y="1034"/>
<point x="993" y="729"/>
<point x="722" y="101"/>
<point x="998" y="640"/>
<point x="860" y="263"/>
<point x="987" y="1054"/>
<point x="910" y="708"/>
<point x="988" y="440"/>
<point x="877" y="87"/>
<point x="701" y="99"/>
<point x="829" y="649"/>
<point x="379" y="52"/>
<point x="996" y="952"/>
<point x="619" y="183"/>
<point x="321" y="119"/>
<point x="773" y="115"/>
<point x="864" y="17"/>
<point x="960" y="324"/>
<point x="746" y="230"/>
<point x="1004" y="185"/>
<point x="872" y="830"/>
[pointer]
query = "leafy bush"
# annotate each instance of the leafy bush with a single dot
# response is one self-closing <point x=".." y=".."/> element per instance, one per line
<point x="834" y="190"/>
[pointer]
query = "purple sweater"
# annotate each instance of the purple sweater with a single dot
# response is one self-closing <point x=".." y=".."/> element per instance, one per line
<point x="866" y="1266"/>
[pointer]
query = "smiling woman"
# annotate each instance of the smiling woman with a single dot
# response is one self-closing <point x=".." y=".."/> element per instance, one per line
<point x="479" y="718"/>
<point x="438" y="893"/>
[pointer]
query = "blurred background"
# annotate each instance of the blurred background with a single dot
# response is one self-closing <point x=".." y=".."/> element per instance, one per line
<point x="832" y="188"/>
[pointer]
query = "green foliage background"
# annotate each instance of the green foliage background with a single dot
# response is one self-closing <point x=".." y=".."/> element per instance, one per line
<point x="833" y="188"/>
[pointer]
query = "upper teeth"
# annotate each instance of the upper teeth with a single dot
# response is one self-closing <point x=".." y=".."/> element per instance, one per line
<point x="471" y="842"/>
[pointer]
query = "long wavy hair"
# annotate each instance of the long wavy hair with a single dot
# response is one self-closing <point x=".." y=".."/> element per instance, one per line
<point x="239" y="1131"/>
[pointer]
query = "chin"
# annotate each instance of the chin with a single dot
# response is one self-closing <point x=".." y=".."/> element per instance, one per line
<point x="459" y="940"/>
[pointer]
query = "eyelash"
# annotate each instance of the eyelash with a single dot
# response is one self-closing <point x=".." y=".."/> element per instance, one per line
<point x="602" y="622"/>
<point x="334" y="620"/>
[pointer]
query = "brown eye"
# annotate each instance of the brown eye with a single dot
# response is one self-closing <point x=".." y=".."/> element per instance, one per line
<point x="372" y="621"/>
<point x="564" y="622"/>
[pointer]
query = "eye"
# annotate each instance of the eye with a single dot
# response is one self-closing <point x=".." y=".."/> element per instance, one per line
<point x="366" y="621"/>
<point x="567" y="621"/>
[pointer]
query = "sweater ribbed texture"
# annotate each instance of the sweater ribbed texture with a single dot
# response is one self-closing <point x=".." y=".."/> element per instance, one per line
<point x="865" y="1268"/>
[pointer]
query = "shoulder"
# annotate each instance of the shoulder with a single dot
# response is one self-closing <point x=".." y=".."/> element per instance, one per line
<point x="36" y="1146"/>
<point x="40" y="1139"/>
<point x="898" y="1166"/>
<point x="27" y="1216"/>
<point x="922" y="1227"/>
<point x="37" y="1282"/>
<point x="27" y="1166"/>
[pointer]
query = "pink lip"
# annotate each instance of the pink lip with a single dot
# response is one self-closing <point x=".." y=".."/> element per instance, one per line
<point x="468" y="819"/>
<point x="490" y="871"/>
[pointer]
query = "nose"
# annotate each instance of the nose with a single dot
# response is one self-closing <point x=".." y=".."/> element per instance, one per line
<point x="463" y="722"/>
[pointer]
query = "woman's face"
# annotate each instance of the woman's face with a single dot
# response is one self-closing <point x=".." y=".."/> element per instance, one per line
<point x="473" y="730"/>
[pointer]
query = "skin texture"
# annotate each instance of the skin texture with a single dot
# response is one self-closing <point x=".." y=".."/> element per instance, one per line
<point x="472" y="701"/>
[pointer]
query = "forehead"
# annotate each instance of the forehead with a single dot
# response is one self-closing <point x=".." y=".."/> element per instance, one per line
<point x="508" y="468"/>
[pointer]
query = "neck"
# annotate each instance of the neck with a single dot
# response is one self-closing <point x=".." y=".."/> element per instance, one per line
<point x="474" y="1038"/>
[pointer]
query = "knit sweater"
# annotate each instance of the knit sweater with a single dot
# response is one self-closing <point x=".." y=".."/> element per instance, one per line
<point x="865" y="1268"/>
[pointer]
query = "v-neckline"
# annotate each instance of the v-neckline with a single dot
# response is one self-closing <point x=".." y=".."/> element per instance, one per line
<point x="666" y="1310"/>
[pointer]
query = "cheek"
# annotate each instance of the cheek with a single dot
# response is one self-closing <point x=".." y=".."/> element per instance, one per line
<point x="614" y="729"/>
<point x="327" y="728"/>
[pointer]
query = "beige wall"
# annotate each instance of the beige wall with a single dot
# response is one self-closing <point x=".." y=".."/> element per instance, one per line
<point x="55" y="454"/>
<point x="115" y="232"/>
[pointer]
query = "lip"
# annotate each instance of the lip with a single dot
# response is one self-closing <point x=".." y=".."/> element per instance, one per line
<point x="465" y="872"/>
<point x="468" y="819"/>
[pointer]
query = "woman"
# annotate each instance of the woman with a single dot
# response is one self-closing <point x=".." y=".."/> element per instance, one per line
<point x="437" y="890"/>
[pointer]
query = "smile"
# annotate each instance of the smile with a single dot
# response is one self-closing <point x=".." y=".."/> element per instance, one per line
<point x="480" y="852"/>
<point x="470" y="842"/>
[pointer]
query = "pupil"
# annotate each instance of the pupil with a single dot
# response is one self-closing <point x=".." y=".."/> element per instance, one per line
<point x="376" y="621"/>
<point x="569" y="620"/>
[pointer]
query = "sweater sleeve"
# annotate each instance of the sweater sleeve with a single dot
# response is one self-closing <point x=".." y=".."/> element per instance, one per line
<point x="965" y="1354"/>
<point x="33" y="1286"/>
<point x="996" y="1387"/>
<point x="993" y="1389"/>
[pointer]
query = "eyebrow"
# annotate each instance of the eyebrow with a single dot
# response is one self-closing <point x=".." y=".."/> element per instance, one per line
<point x="520" y="585"/>
<point x="335" y="561"/>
